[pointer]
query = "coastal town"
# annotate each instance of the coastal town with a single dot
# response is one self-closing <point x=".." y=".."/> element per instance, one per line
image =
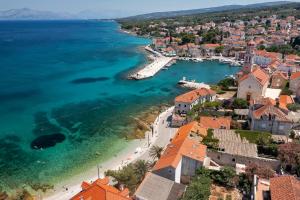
<point x="238" y="139"/>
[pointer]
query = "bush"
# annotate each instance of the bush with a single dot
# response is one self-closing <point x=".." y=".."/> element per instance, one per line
<point x="209" y="141"/>
<point x="239" y="104"/>
<point x="293" y="107"/>
<point x="254" y="136"/>
<point x="226" y="83"/>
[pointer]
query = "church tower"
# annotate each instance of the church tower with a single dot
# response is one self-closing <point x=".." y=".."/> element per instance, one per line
<point x="248" y="61"/>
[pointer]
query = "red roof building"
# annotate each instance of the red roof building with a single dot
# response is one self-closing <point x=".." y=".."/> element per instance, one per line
<point x="101" y="190"/>
<point x="215" y="123"/>
<point x="285" y="188"/>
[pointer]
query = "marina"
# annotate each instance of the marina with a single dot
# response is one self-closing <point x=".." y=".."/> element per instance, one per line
<point x="192" y="84"/>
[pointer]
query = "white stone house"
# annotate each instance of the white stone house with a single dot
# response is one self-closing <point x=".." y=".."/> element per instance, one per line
<point x="183" y="156"/>
<point x="185" y="102"/>
<point x="270" y="118"/>
<point x="253" y="85"/>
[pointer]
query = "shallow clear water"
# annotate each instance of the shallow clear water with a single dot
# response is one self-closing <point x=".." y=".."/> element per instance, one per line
<point x="67" y="77"/>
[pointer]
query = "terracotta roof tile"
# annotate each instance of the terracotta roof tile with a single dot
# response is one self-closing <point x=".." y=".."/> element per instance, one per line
<point x="285" y="188"/>
<point x="259" y="75"/>
<point x="215" y="123"/>
<point x="268" y="110"/>
<point x="192" y="96"/>
<point x="182" y="145"/>
<point x="100" y="190"/>
<point x="284" y="100"/>
<point x="295" y="75"/>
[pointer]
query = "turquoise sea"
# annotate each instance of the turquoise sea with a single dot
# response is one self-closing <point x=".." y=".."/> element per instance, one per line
<point x="65" y="103"/>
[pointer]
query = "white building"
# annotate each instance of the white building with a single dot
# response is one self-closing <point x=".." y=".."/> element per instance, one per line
<point x="185" y="102"/>
<point x="183" y="155"/>
<point x="253" y="85"/>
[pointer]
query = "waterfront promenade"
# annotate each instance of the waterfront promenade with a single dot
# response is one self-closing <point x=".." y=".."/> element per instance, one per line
<point x="159" y="62"/>
<point x="162" y="133"/>
<point x="153" y="68"/>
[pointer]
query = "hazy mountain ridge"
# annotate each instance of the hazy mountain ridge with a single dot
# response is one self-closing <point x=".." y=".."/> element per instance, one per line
<point x="157" y="15"/>
<point x="30" y="14"/>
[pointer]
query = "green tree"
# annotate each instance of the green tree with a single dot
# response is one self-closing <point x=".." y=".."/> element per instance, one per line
<point x="198" y="189"/>
<point x="187" y="38"/>
<point x="141" y="167"/>
<point x="239" y="104"/>
<point x="224" y="177"/>
<point x="155" y="152"/>
<point x="219" y="49"/>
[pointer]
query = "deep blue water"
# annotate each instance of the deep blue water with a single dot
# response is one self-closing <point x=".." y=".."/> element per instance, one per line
<point x="66" y="79"/>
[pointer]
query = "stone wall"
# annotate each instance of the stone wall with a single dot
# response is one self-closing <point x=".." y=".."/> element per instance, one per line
<point x="231" y="160"/>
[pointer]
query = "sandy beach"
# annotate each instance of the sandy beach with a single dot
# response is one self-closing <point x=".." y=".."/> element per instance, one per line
<point x="137" y="149"/>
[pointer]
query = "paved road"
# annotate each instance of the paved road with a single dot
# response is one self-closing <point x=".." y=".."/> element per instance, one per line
<point x="162" y="132"/>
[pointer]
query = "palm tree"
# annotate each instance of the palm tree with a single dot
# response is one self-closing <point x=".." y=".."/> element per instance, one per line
<point x="141" y="167"/>
<point x="155" y="152"/>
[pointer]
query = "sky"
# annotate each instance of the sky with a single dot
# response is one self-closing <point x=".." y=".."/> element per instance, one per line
<point x="119" y="7"/>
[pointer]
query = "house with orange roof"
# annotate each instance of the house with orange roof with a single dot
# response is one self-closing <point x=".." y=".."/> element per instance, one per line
<point x="101" y="190"/>
<point x="215" y="122"/>
<point x="183" y="155"/>
<point x="295" y="84"/>
<point x="185" y="102"/>
<point x="253" y="85"/>
<point x="285" y="188"/>
<point x="269" y="118"/>
<point x="285" y="100"/>
<point x="264" y="58"/>
<point x="279" y="80"/>
<point x="209" y="49"/>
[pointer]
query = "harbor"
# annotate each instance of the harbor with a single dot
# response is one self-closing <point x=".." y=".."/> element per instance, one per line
<point x="192" y="84"/>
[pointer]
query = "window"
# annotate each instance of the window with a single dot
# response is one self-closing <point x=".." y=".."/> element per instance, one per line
<point x="185" y="106"/>
<point x="170" y="171"/>
<point x="219" y="157"/>
<point x="263" y="125"/>
<point x="179" y="105"/>
<point x="281" y="127"/>
<point x="233" y="159"/>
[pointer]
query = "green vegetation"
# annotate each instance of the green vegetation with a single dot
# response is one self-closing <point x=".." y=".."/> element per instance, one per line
<point x="219" y="49"/>
<point x="283" y="49"/>
<point x="254" y="136"/>
<point x="205" y="109"/>
<point x="265" y="144"/>
<point x="286" y="90"/>
<point x="217" y="89"/>
<point x="209" y="141"/>
<point x="198" y="189"/>
<point x="293" y="107"/>
<point x="131" y="175"/>
<point x="187" y="38"/>
<point x="155" y="152"/>
<point x="239" y="104"/>
<point x="246" y="14"/>
<point x="226" y="83"/>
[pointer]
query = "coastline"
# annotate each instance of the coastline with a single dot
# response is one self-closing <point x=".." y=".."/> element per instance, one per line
<point x="136" y="149"/>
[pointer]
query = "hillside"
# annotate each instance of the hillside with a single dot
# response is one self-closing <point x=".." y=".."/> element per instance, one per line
<point x="158" y="15"/>
<point x="247" y="13"/>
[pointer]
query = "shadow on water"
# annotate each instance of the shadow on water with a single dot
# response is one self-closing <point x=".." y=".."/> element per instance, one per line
<point x="4" y="97"/>
<point x="89" y="80"/>
<point x="47" y="141"/>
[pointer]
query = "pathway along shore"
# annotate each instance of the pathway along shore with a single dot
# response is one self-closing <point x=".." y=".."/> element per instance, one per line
<point x="160" y="61"/>
<point x="139" y="150"/>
